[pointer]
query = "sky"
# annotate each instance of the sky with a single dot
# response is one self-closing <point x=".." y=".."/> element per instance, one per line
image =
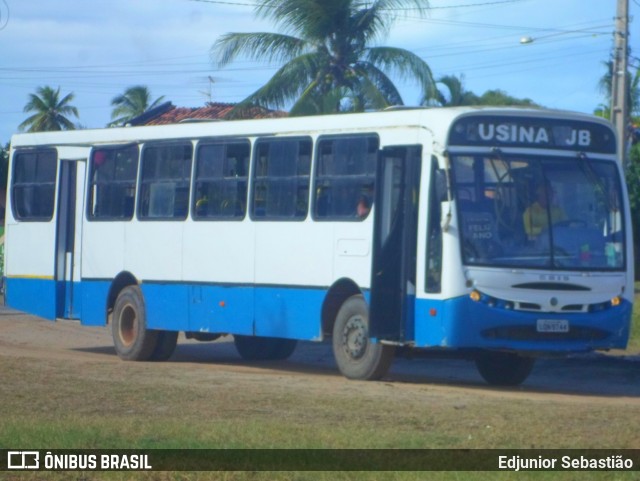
<point x="97" y="49"/>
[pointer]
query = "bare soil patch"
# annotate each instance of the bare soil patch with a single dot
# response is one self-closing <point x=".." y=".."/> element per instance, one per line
<point x="595" y="378"/>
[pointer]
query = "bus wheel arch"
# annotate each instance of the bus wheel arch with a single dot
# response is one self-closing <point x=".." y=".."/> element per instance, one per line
<point x="337" y="295"/>
<point x="122" y="280"/>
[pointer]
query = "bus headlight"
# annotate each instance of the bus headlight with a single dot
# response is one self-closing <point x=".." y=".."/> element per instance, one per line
<point x="475" y="296"/>
<point x="616" y="301"/>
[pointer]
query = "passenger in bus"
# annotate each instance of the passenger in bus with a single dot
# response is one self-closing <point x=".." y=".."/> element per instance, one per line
<point x="202" y="206"/>
<point x="364" y="207"/>
<point x="536" y="216"/>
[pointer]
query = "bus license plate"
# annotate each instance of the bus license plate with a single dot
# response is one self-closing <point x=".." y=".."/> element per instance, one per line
<point x="552" y="325"/>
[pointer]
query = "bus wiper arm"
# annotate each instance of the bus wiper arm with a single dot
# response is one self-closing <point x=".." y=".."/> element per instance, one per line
<point x="592" y="175"/>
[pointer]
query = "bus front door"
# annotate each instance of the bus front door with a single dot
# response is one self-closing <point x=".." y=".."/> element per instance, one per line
<point x="393" y="275"/>
<point x="67" y="272"/>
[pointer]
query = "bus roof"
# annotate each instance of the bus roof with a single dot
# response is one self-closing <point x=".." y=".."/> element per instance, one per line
<point x="437" y="120"/>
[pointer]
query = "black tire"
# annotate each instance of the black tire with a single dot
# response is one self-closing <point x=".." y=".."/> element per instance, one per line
<point x="357" y="357"/>
<point x="166" y="345"/>
<point x="252" y="348"/>
<point x="504" y="369"/>
<point x="131" y="338"/>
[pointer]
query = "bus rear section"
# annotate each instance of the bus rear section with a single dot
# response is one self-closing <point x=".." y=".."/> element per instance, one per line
<point x="44" y="230"/>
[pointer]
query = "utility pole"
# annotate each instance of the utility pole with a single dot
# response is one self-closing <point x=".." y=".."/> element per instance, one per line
<point x="619" y="78"/>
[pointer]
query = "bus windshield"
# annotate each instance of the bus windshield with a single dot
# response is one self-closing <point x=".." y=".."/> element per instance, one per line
<point x="539" y="212"/>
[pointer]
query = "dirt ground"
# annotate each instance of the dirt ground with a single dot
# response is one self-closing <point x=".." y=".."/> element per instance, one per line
<point x="607" y="378"/>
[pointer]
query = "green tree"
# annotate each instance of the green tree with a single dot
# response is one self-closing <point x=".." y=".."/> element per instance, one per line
<point x="134" y="101"/>
<point x="50" y="111"/>
<point x="499" y="97"/>
<point x="632" y="175"/>
<point x="454" y="94"/>
<point x="329" y="62"/>
<point x="633" y="94"/>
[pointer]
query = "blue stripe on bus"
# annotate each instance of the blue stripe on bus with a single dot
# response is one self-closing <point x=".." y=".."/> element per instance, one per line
<point x="460" y="323"/>
<point x="295" y="312"/>
<point x="274" y="311"/>
<point x="264" y="311"/>
<point x="94" y="295"/>
<point x="33" y="295"/>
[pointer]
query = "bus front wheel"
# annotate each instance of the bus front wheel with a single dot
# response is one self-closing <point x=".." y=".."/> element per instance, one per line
<point x="504" y="368"/>
<point x="357" y="357"/>
<point x="131" y="338"/>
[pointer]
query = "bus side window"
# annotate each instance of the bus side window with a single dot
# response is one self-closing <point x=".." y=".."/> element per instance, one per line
<point x="112" y="190"/>
<point x="345" y="176"/>
<point x="34" y="180"/>
<point x="220" y="186"/>
<point x="164" y="183"/>
<point x="281" y="179"/>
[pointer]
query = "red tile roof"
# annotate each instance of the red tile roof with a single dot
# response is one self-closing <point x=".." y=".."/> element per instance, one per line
<point x="212" y="111"/>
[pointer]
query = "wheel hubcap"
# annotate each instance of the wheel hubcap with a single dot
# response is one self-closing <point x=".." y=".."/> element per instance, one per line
<point x="354" y="339"/>
<point x="128" y="326"/>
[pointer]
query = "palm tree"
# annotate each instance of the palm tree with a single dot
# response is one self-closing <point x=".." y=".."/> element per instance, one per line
<point x="50" y="111"/>
<point x="605" y="86"/>
<point x="135" y="101"/>
<point x="457" y="95"/>
<point x="329" y="64"/>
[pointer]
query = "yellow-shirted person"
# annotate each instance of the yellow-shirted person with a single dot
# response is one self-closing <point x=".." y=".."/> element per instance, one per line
<point x="536" y="217"/>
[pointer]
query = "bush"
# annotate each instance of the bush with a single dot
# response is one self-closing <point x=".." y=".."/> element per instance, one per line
<point x="633" y="185"/>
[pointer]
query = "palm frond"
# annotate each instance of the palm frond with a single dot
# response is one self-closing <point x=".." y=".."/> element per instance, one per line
<point x="375" y="20"/>
<point x="133" y="102"/>
<point x="406" y="65"/>
<point x="270" y="47"/>
<point x="378" y="89"/>
<point x="311" y="19"/>
<point x="308" y="102"/>
<point x="49" y="111"/>
<point x="283" y="87"/>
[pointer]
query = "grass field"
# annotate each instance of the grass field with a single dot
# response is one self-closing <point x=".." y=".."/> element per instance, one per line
<point x="56" y="405"/>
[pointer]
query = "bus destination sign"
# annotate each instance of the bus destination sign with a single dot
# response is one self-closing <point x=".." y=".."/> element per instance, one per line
<point x="543" y="133"/>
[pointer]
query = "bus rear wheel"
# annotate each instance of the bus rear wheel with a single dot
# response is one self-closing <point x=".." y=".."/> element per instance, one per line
<point x="357" y="357"/>
<point x="252" y="348"/>
<point x="131" y="338"/>
<point x="503" y="368"/>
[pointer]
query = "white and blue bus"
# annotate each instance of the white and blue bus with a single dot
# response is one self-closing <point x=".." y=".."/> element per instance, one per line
<point x="501" y="234"/>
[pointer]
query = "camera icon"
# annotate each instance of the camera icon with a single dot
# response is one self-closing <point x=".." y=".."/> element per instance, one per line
<point x="23" y="460"/>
